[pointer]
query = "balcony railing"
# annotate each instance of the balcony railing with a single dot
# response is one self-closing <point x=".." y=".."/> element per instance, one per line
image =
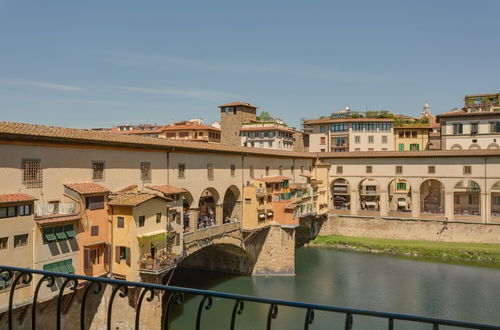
<point x="158" y="265"/>
<point x="176" y="296"/>
<point x="55" y="209"/>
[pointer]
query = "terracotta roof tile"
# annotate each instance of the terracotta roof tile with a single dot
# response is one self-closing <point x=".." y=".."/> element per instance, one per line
<point x="167" y="189"/>
<point x="272" y="179"/>
<point x="190" y="127"/>
<point x="50" y="219"/>
<point x="132" y="199"/>
<point x="267" y="128"/>
<point x="462" y="113"/>
<point x="13" y="198"/>
<point x="50" y="134"/>
<point x="234" y="104"/>
<point x="86" y="188"/>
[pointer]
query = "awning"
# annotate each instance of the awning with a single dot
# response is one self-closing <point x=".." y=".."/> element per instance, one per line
<point x="269" y="214"/>
<point x="371" y="203"/>
<point x="161" y="231"/>
<point x="401" y="203"/>
<point x="94" y="244"/>
<point x="262" y="215"/>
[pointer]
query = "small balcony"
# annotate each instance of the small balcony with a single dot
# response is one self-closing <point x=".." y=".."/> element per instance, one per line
<point x="159" y="264"/>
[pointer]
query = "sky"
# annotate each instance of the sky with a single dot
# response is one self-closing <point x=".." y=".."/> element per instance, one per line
<point x="88" y="64"/>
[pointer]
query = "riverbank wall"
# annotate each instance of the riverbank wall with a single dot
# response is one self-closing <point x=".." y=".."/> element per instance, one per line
<point x="410" y="229"/>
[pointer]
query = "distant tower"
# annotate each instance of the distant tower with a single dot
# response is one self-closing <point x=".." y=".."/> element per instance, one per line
<point x="427" y="110"/>
<point x="232" y="117"/>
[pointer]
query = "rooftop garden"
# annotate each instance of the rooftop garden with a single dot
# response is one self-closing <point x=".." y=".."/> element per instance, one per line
<point x="398" y="121"/>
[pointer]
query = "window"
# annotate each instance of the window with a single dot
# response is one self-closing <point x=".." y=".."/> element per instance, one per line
<point x="495" y="127"/>
<point x="467" y="169"/>
<point x="414" y="147"/>
<point x="341" y="127"/>
<point x="431" y="169"/>
<point x="97" y="170"/>
<point x="414" y="134"/>
<point x="473" y="128"/>
<point x="301" y="169"/>
<point x="280" y="170"/>
<point x="122" y="253"/>
<point x="94" y="202"/>
<point x="32" y="173"/>
<point x="370" y="127"/>
<point x="95" y="256"/>
<point x="322" y="140"/>
<point x="384" y="138"/>
<point x="145" y="171"/>
<point x="399" y="169"/>
<point x="210" y="172"/>
<point x="65" y="266"/>
<point x="340" y="169"/>
<point x="401" y="147"/>
<point x="357" y="127"/>
<point x="181" y="169"/>
<point x="248" y="201"/>
<point x="8" y="211"/>
<point x="267" y="170"/>
<point x="457" y="199"/>
<point x="20" y="240"/>
<point x="384" y="126"/>
<point x="252" y="173"/>
<point x="170" y="135"/>
<point x="142" y="220"/>
<point x="292" y="169"/>
<point x="369" y="169"/>
<point x="233" y="170"/>
<point x="24" y="210"/>
<point x="357" y="139"/>
<point x="158" y="217"/>
<point x="94" y="231"/>
<point x="407" y="134"/>
<point x="183" y="134"/>
<point x="4" y="243"/>
<point x="120" y="223"/>
<point x="401" y="134"/>
<point x="322" y="129"/>
<point x="401" y="186"/>
<point x="458" y="128"/>
<point x="370" y="139"/>
<point x="270" y="144"/>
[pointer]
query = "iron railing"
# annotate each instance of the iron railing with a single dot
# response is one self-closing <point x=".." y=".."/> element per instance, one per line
<point x="176" y="296"/>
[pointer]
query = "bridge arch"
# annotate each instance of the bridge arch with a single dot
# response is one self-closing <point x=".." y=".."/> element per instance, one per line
<point x="231" y="205"/>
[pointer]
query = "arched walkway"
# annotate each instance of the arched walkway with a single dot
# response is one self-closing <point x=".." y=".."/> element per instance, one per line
<point x="400" y="197"/>
<point x="341" y="197"/>
<point x="369" y="196"/>
<point x="467" y="199"/>
<point x="231" y="207"/>
<point x="207" y="208"/>
<point x="495" y="202"/>
<point x="432" y="198"/>
<point x="187" y="204"/>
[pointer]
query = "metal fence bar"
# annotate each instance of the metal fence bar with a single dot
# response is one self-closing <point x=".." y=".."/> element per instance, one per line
<point x="175" y="295"/>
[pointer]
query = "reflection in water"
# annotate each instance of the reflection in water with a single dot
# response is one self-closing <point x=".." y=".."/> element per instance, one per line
<point x="349" y="279"/>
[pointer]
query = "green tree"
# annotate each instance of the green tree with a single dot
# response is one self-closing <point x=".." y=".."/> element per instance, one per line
<point x="264" y="116"/>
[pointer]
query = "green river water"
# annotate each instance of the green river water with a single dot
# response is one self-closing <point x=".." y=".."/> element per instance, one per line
<point x="350" y="279"/>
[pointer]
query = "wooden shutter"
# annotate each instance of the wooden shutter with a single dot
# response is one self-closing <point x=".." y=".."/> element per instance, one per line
<point x="86" y="259"/>
<point x="117" y="254"/>
<point x="127" y="255"/>
<point x="107" y="254"/>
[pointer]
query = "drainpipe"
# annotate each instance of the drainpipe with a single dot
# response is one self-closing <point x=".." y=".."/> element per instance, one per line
<point x="488" y="200"/>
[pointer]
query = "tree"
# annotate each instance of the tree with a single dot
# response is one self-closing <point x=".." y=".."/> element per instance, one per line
<point x="264" y="116"/>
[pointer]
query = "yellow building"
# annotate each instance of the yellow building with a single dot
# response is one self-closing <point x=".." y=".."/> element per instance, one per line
<point x="411" y="138"/>
<point x="142" y="244"/>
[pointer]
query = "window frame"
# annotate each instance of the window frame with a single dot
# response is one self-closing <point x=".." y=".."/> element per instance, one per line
<point x="94" y="172"/>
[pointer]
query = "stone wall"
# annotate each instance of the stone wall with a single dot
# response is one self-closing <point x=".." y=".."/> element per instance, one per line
<point x="123" y="314"/>
<point x="429" y="230"/>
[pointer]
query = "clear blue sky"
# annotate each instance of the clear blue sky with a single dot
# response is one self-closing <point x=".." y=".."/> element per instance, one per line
<point x="102" y="63"/>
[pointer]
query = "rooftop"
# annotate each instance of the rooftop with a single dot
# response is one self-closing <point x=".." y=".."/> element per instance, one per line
<point x="235" y="104"/>
<point x="463" y="113"/>
<point x="132" y="199"/>
<point x="14" y="198"/>
<point x="190" y="127"/>
<point x="87" y="188"/>
<point x="411" y="154"/>
<point x="347" y="120"/>
<point x="167" y="189"/>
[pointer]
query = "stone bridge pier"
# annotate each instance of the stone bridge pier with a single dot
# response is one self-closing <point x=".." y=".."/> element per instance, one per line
<point x="226" y="248"/>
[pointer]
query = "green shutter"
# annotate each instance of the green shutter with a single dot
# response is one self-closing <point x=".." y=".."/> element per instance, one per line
<point x="69" y="266"/>
<point x="50" y="237"/>
<point x="401" y="147"/>
<point x="418" y="146"/>
<point x="61" y="236"/>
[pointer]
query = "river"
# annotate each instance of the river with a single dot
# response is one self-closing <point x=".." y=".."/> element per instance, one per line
<point x="350" y="279"/>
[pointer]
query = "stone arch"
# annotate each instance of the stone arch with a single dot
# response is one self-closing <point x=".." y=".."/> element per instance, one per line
<point x="467" y="198"/>
<point x="400" y="196"/>
<point x="341" y="194"/>
<point x="432" y="197"/>
<point x="474" y="146"/>
<point x="369" y="195"/>
<point x="456" y="147"/>
<point x="187" y="205"/>
<point x="207" y="207"/>
<point x="493" y="146"/>
<point x="231" y="206"/>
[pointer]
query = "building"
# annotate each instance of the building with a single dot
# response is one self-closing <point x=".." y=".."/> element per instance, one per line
<point x="16" y="243"/>
<point x="140" y="237"/>
<point x="268" y="135"/>
<point x="232" y="117"/>
<point x="475" y="126"/>
<point x="350" y="134"/>
<point x="191" y="131"/>
<point x="411" y="137"/>
<point x="435" y="127"/>
<point x="141" y="130"/>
